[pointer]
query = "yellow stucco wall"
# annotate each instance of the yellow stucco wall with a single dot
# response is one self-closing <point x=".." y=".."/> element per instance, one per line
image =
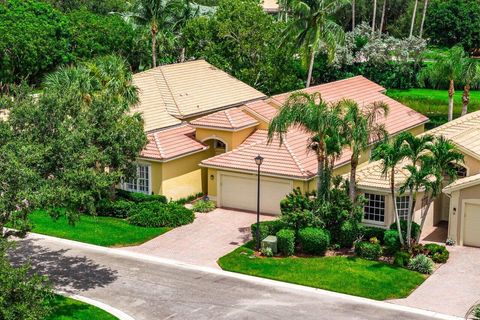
<point x="232" y="138"/>
<point x="456" y="211"/>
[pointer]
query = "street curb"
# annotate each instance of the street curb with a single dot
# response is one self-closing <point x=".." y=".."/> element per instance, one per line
<point x="264" y="281"/>
<point x="105" y="307"/>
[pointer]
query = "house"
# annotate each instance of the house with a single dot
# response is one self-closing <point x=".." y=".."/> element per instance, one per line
<point x="271" y="6"/>
<point x="459" y="205"/>
<point x="205" y="128"/>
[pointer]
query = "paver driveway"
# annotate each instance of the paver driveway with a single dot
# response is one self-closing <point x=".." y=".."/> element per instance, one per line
<point x="453" y="288"/>
<point x="209" y="237"/>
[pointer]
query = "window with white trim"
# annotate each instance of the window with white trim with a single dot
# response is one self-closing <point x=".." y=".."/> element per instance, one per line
<point x="142" y="181"/>
<point x="374" y="209"/>
<point x="402" y="207"/>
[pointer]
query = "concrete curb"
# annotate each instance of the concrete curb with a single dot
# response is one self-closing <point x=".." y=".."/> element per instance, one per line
<point x="105" y="307"/>
<point x="264" y="281"/>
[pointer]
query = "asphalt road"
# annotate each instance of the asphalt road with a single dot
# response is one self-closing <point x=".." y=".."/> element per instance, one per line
<point x="147" y="290"/>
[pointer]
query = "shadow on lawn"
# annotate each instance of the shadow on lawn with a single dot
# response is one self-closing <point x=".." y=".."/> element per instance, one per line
<point x="67" y="273"/>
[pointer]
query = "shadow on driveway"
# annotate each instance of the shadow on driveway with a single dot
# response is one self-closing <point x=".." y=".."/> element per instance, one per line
<point x="67" y="273"/>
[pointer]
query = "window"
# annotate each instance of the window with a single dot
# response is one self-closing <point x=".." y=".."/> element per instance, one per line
<point x="374" y="209"/>
<point x="461" y="171"/>
<point x="402" y="207"/>
<point x="142" y="181"/>
<point x="219" y="145"/>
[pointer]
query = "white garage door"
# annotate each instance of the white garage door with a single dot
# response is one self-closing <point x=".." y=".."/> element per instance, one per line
<point x="472" y="225"/>
<point x="240" y="192"/>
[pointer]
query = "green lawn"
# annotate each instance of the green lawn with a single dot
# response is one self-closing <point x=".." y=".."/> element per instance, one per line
<point x="64" y="308"/>
<point x="434" y="103"/>
<point x="350" y="275"/>
<point x="102" y="231"/>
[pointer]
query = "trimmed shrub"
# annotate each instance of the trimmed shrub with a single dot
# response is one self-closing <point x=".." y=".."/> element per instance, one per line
<point x="421" y="263"/>
<point x="368" y="250"/>
<point x="104" y="207"/>
<point x="372" y="232"/>
<point x="117" y="209"/>
<point x="157" y="214"/>
<point x="139" y="197"/>
<point x="403" y="227"/>
<point x="391" y="241"/>
<point x="438" y="253"/>
<point x="349" y="232"/>
<point x="402" y="258"/>
<point x="286" y="242"/>
<point x="314" y="240"/>
<point x="267" y="228"/>
<point x="203" y="206"/>
<point x="190" y="198"/>
<point x="267" y="252"/>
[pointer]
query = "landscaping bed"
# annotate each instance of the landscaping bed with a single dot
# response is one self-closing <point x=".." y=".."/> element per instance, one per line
<point x="64" y="308"/>
<point x="351" y="275"/>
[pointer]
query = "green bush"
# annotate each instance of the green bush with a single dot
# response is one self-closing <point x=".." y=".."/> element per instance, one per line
<point x="296" y="201"/>
<point x="203" y="206"/>
<point x="403" y="227"/>
<point x="267" y="228"/>
<point x="421" y="263"/>
<point x="402" y="258"/>
<point x="138" y="197"/>
<point x="157" y="214"/>
<point x="438" y="253"/>
<point x="286" y="242"/>
<point x="391" y="241"/>
<point x="349" y="232"/>
<point x="267" y="252"/>
<point x="368" y="250"/>
<point x="117" y="209"/>
<point x="476" y="312"/>
<point x="314" y="240"/>
<point x="190" y="198"/>
<point x="372" y="232"/>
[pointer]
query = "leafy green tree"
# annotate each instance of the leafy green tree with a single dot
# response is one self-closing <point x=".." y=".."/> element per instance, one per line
<point x="319" y="119"/>
<point x="34" y="40"/>
<point x="447" y="68"/>
<point x="103" y="7"/>
<point x="73" y="143"/>
<point x="452" y="22"/>
<point x="361" y="128"/>
<point x="252" y="54"/>
<point x="22" y="295"/>
<point x="313" y="29"/>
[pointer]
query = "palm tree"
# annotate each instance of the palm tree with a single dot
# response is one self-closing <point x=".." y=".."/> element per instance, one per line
<point x="414" y="14"/>
<point x="448" y="67"/>
<point x="317" y="118"/>
<point x="382" y="20"/>
<point x="353" y="15"/>
<point x="374" y="16"/>
<point x="157" y="14"/>
<point x="361" y="129"/>
<point x="312" y="28"/>
<point x="424" y="13"/>
<point x="470" y="74"/>
<point x="391" y="154"/>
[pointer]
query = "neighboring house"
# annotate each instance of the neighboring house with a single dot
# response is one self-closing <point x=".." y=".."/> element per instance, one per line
<point x="270" y="6"/>
<point x="232" y="175"/>
<point x="459" y="205"/>
<point x="169" y="97"/>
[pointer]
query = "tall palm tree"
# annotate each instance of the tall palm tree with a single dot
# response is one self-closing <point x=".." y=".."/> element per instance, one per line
<point x="317" y="118"/>
<point x="414" y="15"/>
<point x="391" y="154"/>
<point x="470" y="75"/>
<point x="312" y="28"/>
<point x="382" y="20"/>
<point x="448" y="67"/>
<point x="374" y="16"/>
<point x="353" y="14"/>
<point x="424" y="13"/>
<point x="156" y="15"/>
<point x="361" y="129"/>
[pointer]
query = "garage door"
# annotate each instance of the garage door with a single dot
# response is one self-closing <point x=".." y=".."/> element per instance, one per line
<point x="240" y="192"/>
<point x="472" y="225"/>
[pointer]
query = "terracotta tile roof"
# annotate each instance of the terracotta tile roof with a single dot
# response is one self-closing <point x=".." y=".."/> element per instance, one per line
<point x="370" y="176"/>
<point x="194" y="87"/>
<point x="172" y="142"/>
<point x="229" y="119"/>
<point x="365" y="92"/>
<point x="464" y="132"/>
<point x="264" y="109"/>
<point x="462" y="183"/>
<point x="291" y="159"/>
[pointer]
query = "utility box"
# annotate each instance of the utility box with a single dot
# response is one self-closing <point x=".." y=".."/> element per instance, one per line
<point x="270" y="242"/>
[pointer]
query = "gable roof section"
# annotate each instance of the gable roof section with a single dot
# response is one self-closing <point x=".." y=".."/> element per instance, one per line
<point x="291" y="159"/>
<point x="464" y="132"/>
<point x="228" y="119"/>
<point x="370" y="176"/>
<point x="265" y="109"/>
<point x="166" y="144"/>
<point x="462" y="183"/>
